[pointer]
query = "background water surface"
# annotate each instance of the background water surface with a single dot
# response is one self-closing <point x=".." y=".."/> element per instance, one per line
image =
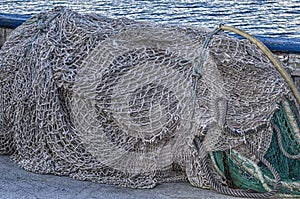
<point x="260" y="17"/>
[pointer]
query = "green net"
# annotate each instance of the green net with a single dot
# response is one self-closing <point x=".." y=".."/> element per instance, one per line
<point x="247" y="174"/>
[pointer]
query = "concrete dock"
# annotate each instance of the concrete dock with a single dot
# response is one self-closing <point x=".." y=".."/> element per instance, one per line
<point x="17" y="183"/>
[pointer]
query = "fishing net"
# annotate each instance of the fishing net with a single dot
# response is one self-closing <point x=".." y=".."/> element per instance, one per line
<point x="137" y="103"/>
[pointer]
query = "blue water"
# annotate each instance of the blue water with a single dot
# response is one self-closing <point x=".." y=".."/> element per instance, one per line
<point x="260" y="17"/>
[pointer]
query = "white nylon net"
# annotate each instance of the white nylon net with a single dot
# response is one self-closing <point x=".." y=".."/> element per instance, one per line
<point x="118" y="101"/>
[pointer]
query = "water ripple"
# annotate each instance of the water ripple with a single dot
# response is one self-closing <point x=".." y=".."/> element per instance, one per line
<point x="262" y="17"/>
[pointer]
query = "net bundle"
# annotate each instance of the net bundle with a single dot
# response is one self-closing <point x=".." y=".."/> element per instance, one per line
<point x="122" y="102"/>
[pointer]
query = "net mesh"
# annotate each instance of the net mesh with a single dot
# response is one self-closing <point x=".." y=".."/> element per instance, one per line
<point x="256" y="176"/>
<point x="120" y="102"/>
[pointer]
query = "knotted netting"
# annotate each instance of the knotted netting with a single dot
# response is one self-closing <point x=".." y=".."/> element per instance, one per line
<point x="137" y="103"/>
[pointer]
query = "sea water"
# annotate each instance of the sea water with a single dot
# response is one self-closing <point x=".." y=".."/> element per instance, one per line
<point x="276" y="18"/>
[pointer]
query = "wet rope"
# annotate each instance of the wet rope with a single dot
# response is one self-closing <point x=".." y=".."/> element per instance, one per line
<point x="237" y="192"/>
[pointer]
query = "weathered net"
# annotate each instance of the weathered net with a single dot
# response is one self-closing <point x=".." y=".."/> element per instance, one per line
<point x="121" y="102"/>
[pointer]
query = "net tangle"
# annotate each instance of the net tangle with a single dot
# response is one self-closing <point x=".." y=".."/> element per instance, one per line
<point x="138" y="103"/>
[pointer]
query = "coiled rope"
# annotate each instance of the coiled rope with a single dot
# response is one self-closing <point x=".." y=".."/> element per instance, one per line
<point x="237" y="192"/>
<point x="199" y="145"/>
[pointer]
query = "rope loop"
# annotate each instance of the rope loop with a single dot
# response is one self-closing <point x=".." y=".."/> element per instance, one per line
<point x="198" y="64"/>
<point x="237" y="192"/>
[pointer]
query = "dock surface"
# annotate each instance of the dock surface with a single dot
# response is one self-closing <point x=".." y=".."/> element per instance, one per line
<point x="17" y="183"/>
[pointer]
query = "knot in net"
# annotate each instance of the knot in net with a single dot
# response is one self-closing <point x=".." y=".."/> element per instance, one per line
<point x="118" y="101"/>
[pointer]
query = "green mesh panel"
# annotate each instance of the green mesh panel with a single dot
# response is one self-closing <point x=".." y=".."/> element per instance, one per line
<point x="241" y="178"/>
<point x="285" y="166"/>
<point x="288" y="169"/>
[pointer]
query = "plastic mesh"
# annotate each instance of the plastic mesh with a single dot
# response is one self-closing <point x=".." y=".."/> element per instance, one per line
<point x="120" y="102"/>
<point x="245" y="174"/>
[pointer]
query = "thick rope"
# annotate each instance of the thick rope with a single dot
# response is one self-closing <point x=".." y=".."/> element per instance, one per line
<point x="269" y="54"/>
<point x="214" y="183"/>
<point x="242" y="193"/>
<point x="281" y="147"/>
<point x="236" y="192"/>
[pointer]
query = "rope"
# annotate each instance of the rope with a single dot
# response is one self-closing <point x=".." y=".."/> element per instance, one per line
<point x="202" y="57"/>
<point x="269" y="54"/>
<point x="214" y="183"/>
<point x="281" y="147"/>
<point x="237" y="192"/>
<point x="200" y="60"/>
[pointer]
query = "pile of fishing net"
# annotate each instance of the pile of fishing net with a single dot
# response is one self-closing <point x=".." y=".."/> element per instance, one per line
<point x="137" y="103"/>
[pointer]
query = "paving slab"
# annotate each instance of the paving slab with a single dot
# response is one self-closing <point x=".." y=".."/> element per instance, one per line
<point x="17" y="183"/>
